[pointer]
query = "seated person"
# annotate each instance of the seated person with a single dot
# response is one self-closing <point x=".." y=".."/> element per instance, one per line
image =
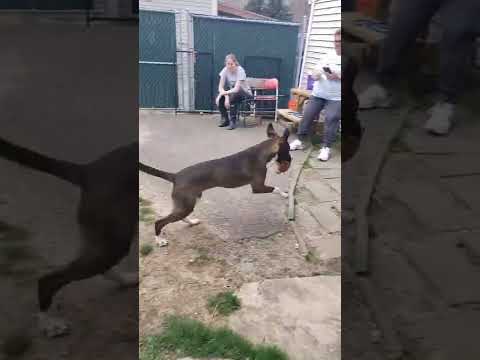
<point x="233" y="77"/>
<point x="326" y="95"/>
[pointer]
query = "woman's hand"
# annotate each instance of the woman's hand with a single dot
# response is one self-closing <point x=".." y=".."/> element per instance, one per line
<point x="223" y="92"/>
<point x="227" y="102"/>
<point x="332" y="76"/>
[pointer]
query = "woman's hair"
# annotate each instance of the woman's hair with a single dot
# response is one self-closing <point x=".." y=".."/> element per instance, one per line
<point x="231" y="57"/>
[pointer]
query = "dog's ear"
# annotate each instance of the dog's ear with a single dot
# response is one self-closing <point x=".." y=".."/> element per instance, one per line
<point x="286" y="134"/>
<point x="271" y="131"/>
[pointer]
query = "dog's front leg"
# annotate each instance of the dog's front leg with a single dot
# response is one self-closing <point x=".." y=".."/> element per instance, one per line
<point x="262" y="189"/>
<point x="283" y="194"/>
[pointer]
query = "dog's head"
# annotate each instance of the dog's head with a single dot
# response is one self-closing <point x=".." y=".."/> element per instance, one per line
<point x="280" y="148"/>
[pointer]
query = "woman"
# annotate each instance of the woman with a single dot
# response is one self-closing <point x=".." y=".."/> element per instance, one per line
<point x="234" y="79"/>
<point x="326" y="95"/>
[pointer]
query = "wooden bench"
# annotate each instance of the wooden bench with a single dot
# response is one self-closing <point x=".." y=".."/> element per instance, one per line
<point x="292" y="117"/>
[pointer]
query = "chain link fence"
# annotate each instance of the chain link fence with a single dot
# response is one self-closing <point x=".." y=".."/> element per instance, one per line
<point x="264" y="49"/>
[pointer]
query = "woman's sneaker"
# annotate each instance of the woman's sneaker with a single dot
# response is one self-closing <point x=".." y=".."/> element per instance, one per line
<point x="324" y="154"/>
<point x="440" y="121"/>
<point x="375" y="96"/>
<point x="296" y="145"/>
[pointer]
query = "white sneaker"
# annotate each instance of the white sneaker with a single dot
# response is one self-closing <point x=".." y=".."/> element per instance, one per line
<point x="296" y="145"/>
<point x="440" y="120"/>
<point x="324" y="154"/>
<point x="375" y="96"/>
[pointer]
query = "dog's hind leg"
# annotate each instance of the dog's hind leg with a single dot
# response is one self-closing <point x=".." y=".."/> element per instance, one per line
<point x="183" y="206"/>
<point x="122" y="279"/>
<point x="99" y="256"/>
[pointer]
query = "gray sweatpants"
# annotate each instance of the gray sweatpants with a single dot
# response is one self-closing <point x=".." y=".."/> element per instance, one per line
<point x="333" y="111"/>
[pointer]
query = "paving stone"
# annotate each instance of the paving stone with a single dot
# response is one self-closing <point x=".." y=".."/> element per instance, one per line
<point x="445" y="265"/>
<point x="300" y="315"/>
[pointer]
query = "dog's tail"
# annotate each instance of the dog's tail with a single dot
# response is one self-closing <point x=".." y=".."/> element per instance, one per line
<point x="155" y="172"/>
<point x="62" y="169"/>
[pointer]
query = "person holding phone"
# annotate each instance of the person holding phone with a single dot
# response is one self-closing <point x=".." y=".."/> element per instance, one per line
<point x="460" y="26"/>
<point x="326" y="95"/>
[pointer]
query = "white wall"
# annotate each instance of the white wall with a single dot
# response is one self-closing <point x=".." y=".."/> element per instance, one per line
<point x="325" y="19"/>
<point x="204" y="7"/>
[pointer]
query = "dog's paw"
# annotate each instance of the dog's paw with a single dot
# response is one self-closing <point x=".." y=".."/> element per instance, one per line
<point x="161" y="241"/>
<point x="52" y="327"/>
<point x="280" y="192"/>
<point x="192" y="221"/>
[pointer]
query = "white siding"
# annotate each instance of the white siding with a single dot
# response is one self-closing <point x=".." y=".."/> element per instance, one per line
<point x="204" y="7"/>
<point x="325" y="19"/>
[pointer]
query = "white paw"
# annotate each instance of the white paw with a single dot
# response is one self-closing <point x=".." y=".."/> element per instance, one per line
<point x="161" y="241"/>
<point x="192" y="221"/>
<point x="280" y="192"/>
<point x="52" y="327"/>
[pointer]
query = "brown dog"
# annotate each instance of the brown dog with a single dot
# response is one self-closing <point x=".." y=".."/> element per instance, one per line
<point x="107" y="214"/>
<point x="246" y="167"/>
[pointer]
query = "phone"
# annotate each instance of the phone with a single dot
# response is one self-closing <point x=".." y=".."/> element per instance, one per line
<point x="327" y="70"/>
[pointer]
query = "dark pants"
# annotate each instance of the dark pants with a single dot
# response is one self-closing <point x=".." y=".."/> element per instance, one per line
<point x="333" y="111"/>
<point x="235" y="101"/>
<point x="460" y="20"/>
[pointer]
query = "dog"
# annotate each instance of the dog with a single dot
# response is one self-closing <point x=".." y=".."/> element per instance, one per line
<point x="107" y="214"/>
<point x="352" y="130"/>
<point x="246" y="167"/>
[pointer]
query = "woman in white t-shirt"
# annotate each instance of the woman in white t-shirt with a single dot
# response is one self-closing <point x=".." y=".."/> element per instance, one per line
<point x="232" y="90"/>
<point x="326" y="95"/>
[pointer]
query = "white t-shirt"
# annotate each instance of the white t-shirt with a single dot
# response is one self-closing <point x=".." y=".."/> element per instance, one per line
<point x="232" y="78"/>
<point x="324" y="88"/>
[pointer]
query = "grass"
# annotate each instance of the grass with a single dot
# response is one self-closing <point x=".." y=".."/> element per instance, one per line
<point x="311" y="257"/>
<point x="202" y="258"/>
<point x="146" y="213"/>
<point x="187" y="337"/>
<point x="146" y="249"/>
<point x="223" y="303"/>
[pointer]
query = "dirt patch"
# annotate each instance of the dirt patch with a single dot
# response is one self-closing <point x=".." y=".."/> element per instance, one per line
<point x="198" y="263"/>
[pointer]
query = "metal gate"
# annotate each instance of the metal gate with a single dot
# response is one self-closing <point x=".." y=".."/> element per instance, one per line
<point x="264" y="49"/>
<point x="157" y="65"/>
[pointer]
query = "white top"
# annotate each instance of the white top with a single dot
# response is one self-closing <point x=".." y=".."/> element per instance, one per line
<point x="232" y="78"/>
<point x="322" y="87"/>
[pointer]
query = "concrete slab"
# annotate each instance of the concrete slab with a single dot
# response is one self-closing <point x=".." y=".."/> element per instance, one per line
<point x="325" y="246"/>
<point x="335" y="184"/>
<point x="300" y="315"/>
<point x="420" y="142"/>
<point x="318" y="187"/>
<point x="327" y="216"/>
<point x="446" y="335"/>
<point x="453" y="164"/>
<point x="432" y="202"/>
<point x="445" y="266"/>
<point x="466" y="189"/>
